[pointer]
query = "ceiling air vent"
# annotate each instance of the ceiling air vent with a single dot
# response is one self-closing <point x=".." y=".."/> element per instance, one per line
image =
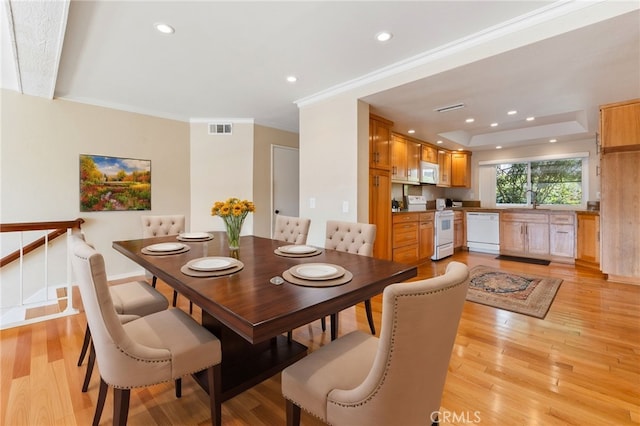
<point x="220" y="128"/>
<point x="449" y="108"/>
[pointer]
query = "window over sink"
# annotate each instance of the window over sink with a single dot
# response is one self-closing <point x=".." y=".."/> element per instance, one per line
<point x="544" y="181"/>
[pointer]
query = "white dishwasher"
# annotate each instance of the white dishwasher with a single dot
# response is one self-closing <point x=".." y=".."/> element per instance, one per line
<point x="483" y="232"/>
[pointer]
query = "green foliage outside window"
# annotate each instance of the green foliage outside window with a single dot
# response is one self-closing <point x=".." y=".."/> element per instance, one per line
<point x="555" y="182"/>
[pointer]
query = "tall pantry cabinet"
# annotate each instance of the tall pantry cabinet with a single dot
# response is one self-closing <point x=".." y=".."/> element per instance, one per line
<point x="380" y="184"/>
<point x="620" y="191"/>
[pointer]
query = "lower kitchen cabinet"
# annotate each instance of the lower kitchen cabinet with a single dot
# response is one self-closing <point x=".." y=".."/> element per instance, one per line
<point x="524" y="234"/>
<point x="562" y="236"/>
<point x="425" y="248"/>
<point x="588" y="239"/>
<point x="405" y="237"/>
<point x="458" y="230"/>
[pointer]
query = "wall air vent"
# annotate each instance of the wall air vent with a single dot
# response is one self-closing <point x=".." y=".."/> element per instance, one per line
<point x="449" y="108"/>
<point x="220" y="128"/>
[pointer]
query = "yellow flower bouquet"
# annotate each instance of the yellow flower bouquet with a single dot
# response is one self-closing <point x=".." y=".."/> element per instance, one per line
<point x="233" y="211"/>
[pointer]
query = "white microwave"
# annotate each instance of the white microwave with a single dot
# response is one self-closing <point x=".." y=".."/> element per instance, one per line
<point x="428" y="172"/>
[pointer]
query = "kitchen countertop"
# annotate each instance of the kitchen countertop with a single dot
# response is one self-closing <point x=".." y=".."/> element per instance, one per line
<point x="504" y="210"/>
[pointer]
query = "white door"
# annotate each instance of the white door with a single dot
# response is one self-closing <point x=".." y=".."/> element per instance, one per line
<point x="285" y="180"/>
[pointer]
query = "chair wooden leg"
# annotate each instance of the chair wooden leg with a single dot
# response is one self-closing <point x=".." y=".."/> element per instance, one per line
<point x="175" y="298"/>
<point x="214" y="379"/>
<point x="90" y="363"/>
<point x="120" y="406"/>
<point x="179" y="388"/>
<point x="102" y="396"/>
<point x="289" y="336"/>
<point x="367" y="308"/>
<point x="334" y="326"/>
<point x="190" y="307"/>
<point x="85" y="345"/>
<point x="154" y="280"/>
<point x="293" y="414"/>
<point x="323" y="323"/>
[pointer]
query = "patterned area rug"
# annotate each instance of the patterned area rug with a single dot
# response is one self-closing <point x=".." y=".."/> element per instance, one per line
<point x="523" y="293"/>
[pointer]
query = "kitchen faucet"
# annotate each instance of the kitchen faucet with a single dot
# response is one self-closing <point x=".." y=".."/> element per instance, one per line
<point x="533" y="198"/>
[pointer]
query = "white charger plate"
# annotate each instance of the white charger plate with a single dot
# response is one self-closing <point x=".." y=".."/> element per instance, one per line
<point x="297" y="249"/>
<point x="165" y="247"/>
<point x="208" y="264"/>
<point x="317" y="271"/>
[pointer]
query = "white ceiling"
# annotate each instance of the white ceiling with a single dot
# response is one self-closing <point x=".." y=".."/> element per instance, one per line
<point x="229" y="60"/>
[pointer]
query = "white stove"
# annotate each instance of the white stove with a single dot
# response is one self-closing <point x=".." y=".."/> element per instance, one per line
<point x="443" y="234"/>
<point x="416" y="203"/>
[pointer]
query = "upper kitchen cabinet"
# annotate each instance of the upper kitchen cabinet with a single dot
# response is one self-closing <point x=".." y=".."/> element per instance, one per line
<point x="398" y="158"/>
<point x="461" y="169"/>
<point x="405" y="159"/>
<point x="444" y="166"/>
<point x="620" y="126"/>
<point x="379" y="142"/>
<point x="429" y="154"/>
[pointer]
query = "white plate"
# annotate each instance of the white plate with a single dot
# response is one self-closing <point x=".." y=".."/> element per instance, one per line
<point x="194" y="235"/>
<point x="164" y="247"/>
<point x="207" y="264"/>
<point x="296" y="249"/>
<point x="317" y="271"/>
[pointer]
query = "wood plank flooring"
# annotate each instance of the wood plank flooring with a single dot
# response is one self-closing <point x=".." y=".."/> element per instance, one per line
<point x="578" y="366"/>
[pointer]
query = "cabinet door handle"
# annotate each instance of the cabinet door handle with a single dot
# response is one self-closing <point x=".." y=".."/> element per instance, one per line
<point x="562" y="232"/>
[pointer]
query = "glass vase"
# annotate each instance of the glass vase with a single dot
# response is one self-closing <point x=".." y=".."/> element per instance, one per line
<point x="233" y="233"/>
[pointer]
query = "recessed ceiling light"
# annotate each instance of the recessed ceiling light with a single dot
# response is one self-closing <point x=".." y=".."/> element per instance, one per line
<point x="164" y="28"/>
<point x="512" y="112"/>
<point x="411" y="131"/>
<point x="498" y="147"/>
<point x="384" y="36"/>
<point x="470" y="120"/>
<point x="553" y="140"/>
<point x="494" y="124"/>
<point x="530" y="118"/>
<point x="292" y="79"/>
<point x="460" y="149"/>
<point x="438" y="142"/>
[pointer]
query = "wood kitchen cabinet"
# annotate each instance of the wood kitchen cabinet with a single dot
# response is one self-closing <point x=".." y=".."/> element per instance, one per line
<point x="562" y="236"/>
<point x="429" y="154"/>
<point x="398" y="158"/>
<point x="444" y="166"/>
<point x="406" y="237"/>
<point x="620" y="126"/>
<point x="425" y="248"/>
<point x="588" y="239"/>
<point x="379" y="142"/>
<point x="524" y="234"/>
<point x="380" y="211"/>
<point x="380" y="184"/>
<point x="459" y="239"/>
<point x="620" y="192"/>
<point x="414" y="151"/>
<point x="461" y="169"/>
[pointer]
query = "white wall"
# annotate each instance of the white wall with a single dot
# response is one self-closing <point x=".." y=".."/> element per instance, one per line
<point x="329" y="163"/>
<point x="41" y="141"/>
<point x="221" y="167"/>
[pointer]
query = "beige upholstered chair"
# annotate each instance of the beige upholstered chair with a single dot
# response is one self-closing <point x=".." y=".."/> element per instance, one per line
<point x="131" y="301"/>
<point x="292" y="230"/>
<point x="160" y="226"/>
<point x="356" y="238"/>
<point x="397" y="379"/>
<point x="156" y="348"/>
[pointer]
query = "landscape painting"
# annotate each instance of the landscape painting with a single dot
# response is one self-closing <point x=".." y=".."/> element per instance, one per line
<point x="114" y="184"/>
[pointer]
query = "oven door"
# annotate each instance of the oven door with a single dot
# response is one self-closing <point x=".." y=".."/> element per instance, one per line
<point x="444" y="230"/>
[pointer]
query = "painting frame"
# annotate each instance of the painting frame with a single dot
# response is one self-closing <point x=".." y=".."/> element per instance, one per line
<point x="109" y="183"/>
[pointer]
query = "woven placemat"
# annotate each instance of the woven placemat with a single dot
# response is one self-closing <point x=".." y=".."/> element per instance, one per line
<point x="164" y="253"/>
<point x="283" y="254"/>
<point x="348" y="276"/>
<point x="207" y="274"/>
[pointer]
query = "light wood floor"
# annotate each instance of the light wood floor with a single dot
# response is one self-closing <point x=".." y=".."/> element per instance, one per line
<point x="578" y="366"/>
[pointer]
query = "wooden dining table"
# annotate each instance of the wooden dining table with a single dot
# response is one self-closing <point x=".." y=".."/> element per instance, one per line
<point x="250" y="314"/>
